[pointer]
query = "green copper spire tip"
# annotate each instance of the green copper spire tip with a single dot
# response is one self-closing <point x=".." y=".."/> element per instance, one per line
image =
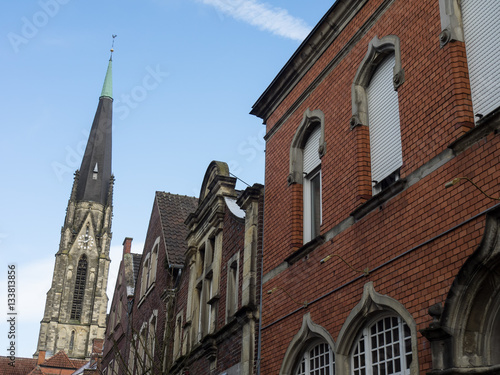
<point x="107" y="88"/>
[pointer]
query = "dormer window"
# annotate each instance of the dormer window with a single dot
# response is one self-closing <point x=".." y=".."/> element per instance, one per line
<point x="96" y="170"/>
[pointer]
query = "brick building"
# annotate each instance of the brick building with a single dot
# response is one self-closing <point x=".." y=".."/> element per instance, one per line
<point x="217" y="304"/>
<point x="147" y="341"/>
<point x="194" y="305"/>
<point x="371" y="265"/>
<point x="118" y="325"/>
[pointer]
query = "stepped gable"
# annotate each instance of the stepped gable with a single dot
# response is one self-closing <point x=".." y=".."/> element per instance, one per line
<point x="174" y="209"/>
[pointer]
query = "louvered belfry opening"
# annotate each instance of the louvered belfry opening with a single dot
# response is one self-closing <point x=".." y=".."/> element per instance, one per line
<point x="81" y="278"/>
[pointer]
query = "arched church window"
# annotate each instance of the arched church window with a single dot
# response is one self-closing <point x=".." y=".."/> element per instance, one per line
<point x="80" y="281"/>
<point x="317" y="359"/>
<point x="72" y="341"/>
<point x="384" y="347"/>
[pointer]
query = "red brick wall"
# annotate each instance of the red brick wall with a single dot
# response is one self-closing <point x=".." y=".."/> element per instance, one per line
<point x="435" y="109"/>
<point x="142" y="312"/>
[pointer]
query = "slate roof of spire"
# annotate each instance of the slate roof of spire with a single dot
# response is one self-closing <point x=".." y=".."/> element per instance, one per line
<point x="174" y="210"/>
<point x="94" y="186"/>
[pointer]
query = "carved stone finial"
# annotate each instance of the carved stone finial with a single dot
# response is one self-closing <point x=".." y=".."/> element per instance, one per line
<point x="354" y="122"/>
<point x="435" y="311"/>
<point x="321" y="150"/>
<point x="398" y="79"/>
<point x="444" y="37"/>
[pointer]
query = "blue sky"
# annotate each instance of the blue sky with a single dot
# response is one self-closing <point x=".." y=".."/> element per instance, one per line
<point x="185" y="75"/>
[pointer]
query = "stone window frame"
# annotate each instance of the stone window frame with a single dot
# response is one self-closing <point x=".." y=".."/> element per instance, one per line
<point x="178" y="328"/>
<point x="145" y="276"/>
<point x="461" y="331"/>
<point x="154" y="261"/>
<point x="378" y="50"/>
<point x="151" y="340"/>
<point x="142" y="347"/>
<point x="204" y="289"/>
<point x="308" y="334"/>
<point x="371" y="307"/>
<point x="72" y="341"/>
<point x="310" y="120"/>
<point x="233" y="266"/>
<point x="451" y="22"/>
<point x="79" y="288"/>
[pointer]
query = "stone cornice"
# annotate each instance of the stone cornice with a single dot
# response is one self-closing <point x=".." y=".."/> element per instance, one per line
<point x="316" y="43"/>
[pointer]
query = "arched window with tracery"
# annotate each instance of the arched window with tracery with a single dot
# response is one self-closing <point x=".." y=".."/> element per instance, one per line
<point x="79" y="291"/>
<point x="318" y="358"/>
<point x="383" y="347"/>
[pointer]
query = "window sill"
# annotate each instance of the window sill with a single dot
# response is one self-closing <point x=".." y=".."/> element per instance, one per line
<point x="148" y="291"/>
<point x="214" y="299"/>
<point x="305" y="249"/>
<point x="379" y="199"/>
<point x="485" y="126"/>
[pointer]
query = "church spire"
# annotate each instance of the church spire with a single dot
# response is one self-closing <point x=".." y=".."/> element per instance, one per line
<point x="107" y="87"/>
<point x="95" y="170"/>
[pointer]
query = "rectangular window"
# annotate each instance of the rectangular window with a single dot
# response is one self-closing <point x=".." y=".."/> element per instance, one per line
<point x="312" y="205"/>
<point x="232" y="288"/>
<point x="315" y="204"/>
<point x="177" y="336"/>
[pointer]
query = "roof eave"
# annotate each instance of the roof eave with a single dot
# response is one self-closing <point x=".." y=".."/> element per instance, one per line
<point x="315" y="44"/>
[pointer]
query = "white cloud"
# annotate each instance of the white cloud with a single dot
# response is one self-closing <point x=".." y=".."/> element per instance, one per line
<point x="264" y="16"/>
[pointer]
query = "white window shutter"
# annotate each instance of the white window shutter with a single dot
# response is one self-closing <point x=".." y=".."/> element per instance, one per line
<point x="481" y="24"/>
<point x="311" y="154"/>
<point x="383" y="122"/>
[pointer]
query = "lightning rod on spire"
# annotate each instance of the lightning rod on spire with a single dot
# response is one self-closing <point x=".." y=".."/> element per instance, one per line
<point x="112" y="45"/>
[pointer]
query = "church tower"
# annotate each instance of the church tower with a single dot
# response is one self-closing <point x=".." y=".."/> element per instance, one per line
<point x="75" y="310"/>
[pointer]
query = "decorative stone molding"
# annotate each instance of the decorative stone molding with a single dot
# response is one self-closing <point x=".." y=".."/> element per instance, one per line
<point x="471" y="312"/>
<point x="308" y="332"/>
<point x="451" y="22"/>
<point x="378" y="50"/>
<point x="310" y="120"/>
<point x="371" y="306"/>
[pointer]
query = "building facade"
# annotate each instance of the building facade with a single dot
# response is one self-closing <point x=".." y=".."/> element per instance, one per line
<point x="372" y="265"/>
<point x="118" y="323"/>
<point x="217" y="303"/>
<point x="75" y="309"/>
<point x="195" y="306"/>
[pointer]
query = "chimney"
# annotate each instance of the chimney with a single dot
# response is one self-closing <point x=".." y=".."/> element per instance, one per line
<point x="97" y="344"/>
<point x="41" y="357"/>
<point x="127" y="245"/>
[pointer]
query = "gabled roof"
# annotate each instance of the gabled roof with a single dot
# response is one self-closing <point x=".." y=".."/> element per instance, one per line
<point x="22" y="366"/>
<point x="174" y="209"/>
<point x="57" y="364"/>
<point x="60" y="360"/>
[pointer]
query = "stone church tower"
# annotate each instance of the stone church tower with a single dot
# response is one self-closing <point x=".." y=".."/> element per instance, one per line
<point x="75" y="310"/>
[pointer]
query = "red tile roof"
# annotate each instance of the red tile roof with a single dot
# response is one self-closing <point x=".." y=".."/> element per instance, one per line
<point x="60" y="360"/>
<point x="22" y="366"/>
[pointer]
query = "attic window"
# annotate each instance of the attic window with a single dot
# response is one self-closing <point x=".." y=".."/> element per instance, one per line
<point x="94" y="175"/>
